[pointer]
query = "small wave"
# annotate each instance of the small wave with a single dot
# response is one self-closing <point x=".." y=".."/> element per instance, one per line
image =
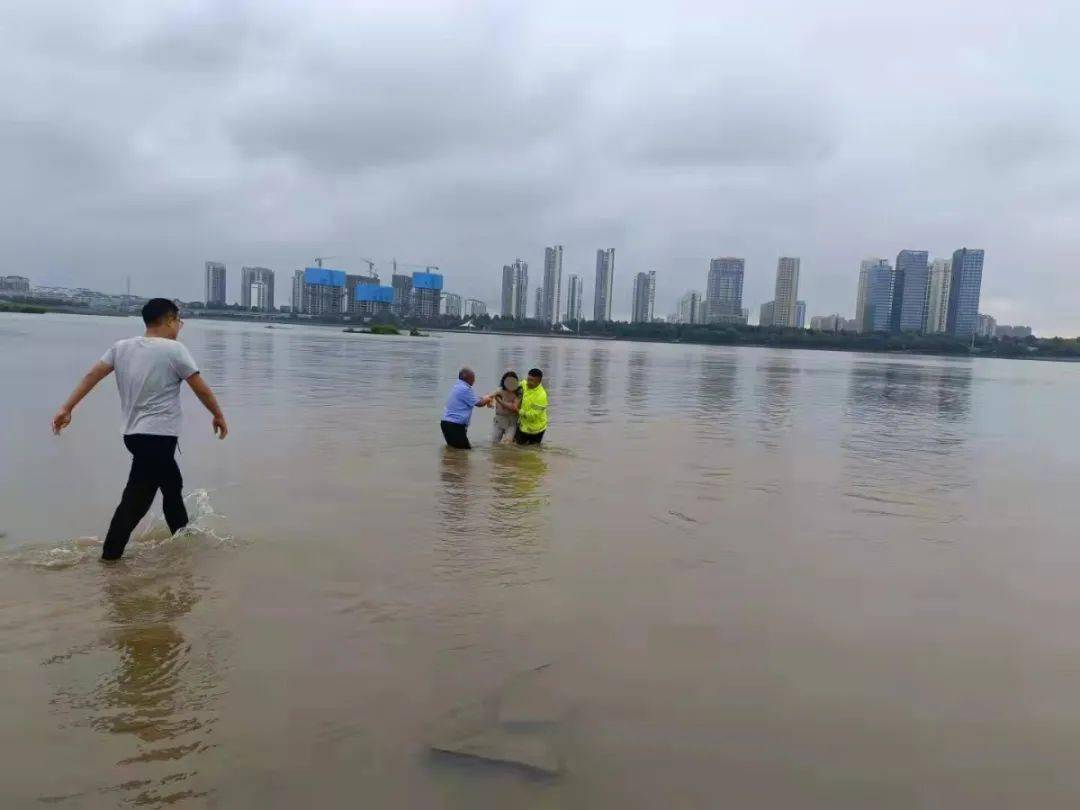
<point x="151" y="536"/>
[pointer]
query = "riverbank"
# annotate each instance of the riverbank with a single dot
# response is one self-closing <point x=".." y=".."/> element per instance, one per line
<point x="1045" y="349"/>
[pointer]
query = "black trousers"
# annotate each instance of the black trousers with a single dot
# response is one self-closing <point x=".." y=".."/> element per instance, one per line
<point x="153" y="467"/>
<point x="456" y="435"/>
<point x="528" y="438"/>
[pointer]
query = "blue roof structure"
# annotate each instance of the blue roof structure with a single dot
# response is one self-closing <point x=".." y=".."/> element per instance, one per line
<point x="426" y="281"/>
<point x="324" y="276"/>
<point x="375" y="293"/>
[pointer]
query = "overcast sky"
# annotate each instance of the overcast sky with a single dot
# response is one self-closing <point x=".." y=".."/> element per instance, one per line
<point x="145" y="138"/>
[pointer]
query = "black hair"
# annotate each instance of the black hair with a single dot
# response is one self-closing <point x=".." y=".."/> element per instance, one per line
<point x="535" y="372"/>
<point x="502" y="382"/>
<point x="158" y="308"/>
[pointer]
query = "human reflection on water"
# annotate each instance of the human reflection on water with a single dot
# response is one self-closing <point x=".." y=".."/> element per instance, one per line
<point x="716" y="396"/>
<point x="158" y="692"/>
<point x="774" y="400"/>
<point x="212" y="356"/>
<point x="507" y="479"/>
<point x="905" y="450"/>
<point x="517" y="476"/>
<point x="456" y="493"/>
<point x="598" y="373"/>
<point x="637" y="384"/>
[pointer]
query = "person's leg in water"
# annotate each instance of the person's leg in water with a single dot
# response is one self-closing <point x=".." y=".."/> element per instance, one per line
<point x="171" y="484"/>
<point x="456" y="435"/>
<point x="528" y="438"/>
<point x="153" y="467"/>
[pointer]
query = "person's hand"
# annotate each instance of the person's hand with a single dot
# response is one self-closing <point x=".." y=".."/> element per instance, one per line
<point x="221" y="430"/>
<point x="61" y="421"/>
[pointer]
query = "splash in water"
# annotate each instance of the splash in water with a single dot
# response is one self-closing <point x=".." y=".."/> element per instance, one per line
<point x="205" y="527"/>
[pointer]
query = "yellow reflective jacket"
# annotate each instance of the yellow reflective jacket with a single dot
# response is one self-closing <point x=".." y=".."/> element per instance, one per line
<point x="532" y="417"/>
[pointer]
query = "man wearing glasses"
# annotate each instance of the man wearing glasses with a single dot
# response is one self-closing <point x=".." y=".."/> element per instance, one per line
<point x="149" y="370"/>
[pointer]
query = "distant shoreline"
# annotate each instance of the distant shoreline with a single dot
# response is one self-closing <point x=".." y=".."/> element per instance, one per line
<point x="777" y="343"/>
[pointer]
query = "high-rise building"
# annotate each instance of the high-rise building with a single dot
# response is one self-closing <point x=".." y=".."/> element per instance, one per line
<point x="426" y="294"/>
<point x="402" y="286"/>
<point x="692" y="308"/>
<point x="575" y="293"/>
<point x="521" y="298"/>
<point x="937" y="296"/>
<point x="910" y="280"/>
<point x="767" y="315"/>
<point x="319" y="292"/>
<point x="644" y="297"/>
<point x="215" y="284"/>
<point x="474" y="308"/>
<point x="553" y="257"/>
<point x="353" y="301"/>
<point x="605" y="278"/>
<point x="964" y="289"/>
<point x="985" y="326"/>
<point x="860" y="299"/>
<point x="451" y="305"/>
<point x="723" y="292"/>
<point x="538" y="306"/>
<point x="262" y="297"/>
<point x="515" y="290"/>
<point x="371" y="299"/>
<point x="15" y="284"/>
<point x="787" y="291"/>
<point x="878" y="306"/>
<point x="509" y="295"/>
<point x="800" y="314"/>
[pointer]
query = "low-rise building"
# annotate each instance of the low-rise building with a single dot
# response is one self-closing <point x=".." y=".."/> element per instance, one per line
<point x="16" y="285"/>
<point x="1013" y="331"/>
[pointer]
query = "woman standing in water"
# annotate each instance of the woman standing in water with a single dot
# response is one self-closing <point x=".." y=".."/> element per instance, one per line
<point x="507" y="401"/>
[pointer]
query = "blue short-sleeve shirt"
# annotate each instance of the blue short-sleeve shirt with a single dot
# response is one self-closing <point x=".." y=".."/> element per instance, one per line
<point x="460" y="403"/>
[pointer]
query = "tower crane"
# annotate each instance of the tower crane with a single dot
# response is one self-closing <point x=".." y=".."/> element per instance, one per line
<point x="370" y="265"/>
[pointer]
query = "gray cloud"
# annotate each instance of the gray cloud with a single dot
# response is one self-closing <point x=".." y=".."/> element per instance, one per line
<point x="144" y="139"/>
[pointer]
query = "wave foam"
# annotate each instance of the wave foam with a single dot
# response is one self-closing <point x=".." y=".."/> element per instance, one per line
<point x="152" y="536"/>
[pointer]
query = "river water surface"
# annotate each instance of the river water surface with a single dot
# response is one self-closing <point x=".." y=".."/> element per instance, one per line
<point x="760" y="578"/>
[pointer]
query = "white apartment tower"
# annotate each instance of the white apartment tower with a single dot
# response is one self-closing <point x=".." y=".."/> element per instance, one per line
<point x="786" y="300"/>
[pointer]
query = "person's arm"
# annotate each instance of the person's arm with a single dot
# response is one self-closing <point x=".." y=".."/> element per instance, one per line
<point x="207" y="398"/>
<point x="536" y="406"/>
<point x="512" y="404"/>
<point x="98" y="372"/>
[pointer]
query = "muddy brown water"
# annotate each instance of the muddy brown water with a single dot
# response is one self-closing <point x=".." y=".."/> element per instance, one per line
<point x="761" y="578"/>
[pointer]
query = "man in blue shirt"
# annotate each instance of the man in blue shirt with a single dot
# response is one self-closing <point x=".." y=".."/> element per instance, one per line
<point x="459" y="408"/>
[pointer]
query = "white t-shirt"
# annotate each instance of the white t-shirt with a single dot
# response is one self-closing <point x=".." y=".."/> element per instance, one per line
<point x="149" y="371"/>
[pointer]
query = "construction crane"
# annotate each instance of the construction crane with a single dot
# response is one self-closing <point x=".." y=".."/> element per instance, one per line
<point x="370" y="264"/>
<point x="320" y="259"/>
<point x="428" y="267"/>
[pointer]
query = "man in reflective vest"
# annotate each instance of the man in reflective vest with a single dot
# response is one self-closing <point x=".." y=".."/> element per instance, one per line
<point x="532" y="413"/>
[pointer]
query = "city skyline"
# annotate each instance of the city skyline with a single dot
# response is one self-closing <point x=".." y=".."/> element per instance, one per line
<point x="760" y="155"/>
<point x="925" y="287"/>
<point x="927" y="291"/>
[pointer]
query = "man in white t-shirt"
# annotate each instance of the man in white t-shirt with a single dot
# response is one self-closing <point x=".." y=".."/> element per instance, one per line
<point x="149" y="370"/>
